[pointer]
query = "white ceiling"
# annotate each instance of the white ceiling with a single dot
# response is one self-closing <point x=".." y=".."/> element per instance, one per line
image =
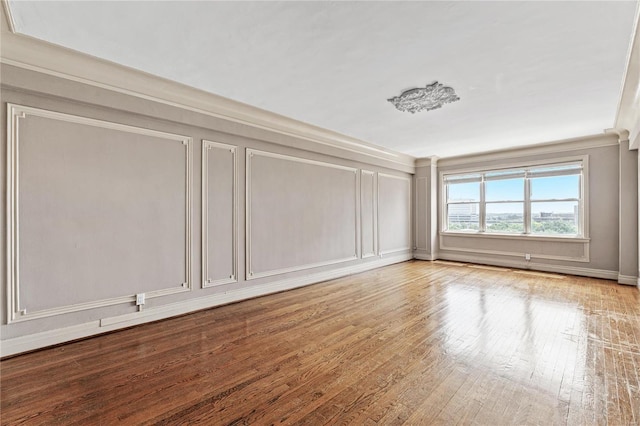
<point x="526" y="72"/>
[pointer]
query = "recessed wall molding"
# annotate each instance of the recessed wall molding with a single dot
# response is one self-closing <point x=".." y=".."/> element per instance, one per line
<point x="230" y="275"/>
<point x="581" y="243"/>
<point x="421" y="204"/>
<point x="17" y="310"/>
<point x="407" y="245"/>
<point x="349" y="182"/>
<point x="368" y="213"/>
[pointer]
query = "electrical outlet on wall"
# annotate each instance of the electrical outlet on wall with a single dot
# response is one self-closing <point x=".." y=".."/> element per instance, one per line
<point x="527" y="256"/>
<point x="140" y="299"/>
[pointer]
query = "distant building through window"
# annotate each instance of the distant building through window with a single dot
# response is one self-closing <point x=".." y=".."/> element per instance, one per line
<point x="537" y="200"/>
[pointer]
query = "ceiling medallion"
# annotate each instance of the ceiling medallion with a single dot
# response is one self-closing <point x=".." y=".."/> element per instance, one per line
<point x="431" y="97"/>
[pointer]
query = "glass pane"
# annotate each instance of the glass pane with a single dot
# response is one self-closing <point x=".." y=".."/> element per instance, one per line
<point x="504" y="190"/>
<point x="555" y="187"/>
<point x="464" y="191"/>
<point x="463" y="217"/>
<point x="505" y="218"/>
<point x="555" y="218"/>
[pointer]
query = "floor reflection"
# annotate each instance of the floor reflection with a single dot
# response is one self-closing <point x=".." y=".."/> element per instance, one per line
<point x="535" y="341"/>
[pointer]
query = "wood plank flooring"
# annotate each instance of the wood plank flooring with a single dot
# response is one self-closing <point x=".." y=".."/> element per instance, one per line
<point x="414" y="343"/>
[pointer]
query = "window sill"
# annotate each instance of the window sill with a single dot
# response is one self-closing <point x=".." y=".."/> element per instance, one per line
<point x="556" y="238"/>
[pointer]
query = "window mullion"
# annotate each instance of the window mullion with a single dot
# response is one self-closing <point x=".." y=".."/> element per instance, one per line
<point x="483" y="206"/>
<point x="581" y="206"/>
<point x="445" y="213"/>
<point x="527" y="206"/>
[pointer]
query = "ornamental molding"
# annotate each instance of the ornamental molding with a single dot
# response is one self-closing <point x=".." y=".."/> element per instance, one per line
<point x="431" y="97"/>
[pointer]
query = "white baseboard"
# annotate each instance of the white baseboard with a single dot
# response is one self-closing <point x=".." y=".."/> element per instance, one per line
<point x="43" y="339"/>
<point x="627" y="280"/>
<point x="422" y="255"/>
<point x="562" y="269"/>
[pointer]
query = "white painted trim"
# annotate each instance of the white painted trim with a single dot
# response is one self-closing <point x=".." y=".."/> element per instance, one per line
<point x="426" y="237"/>
<point x="47" y="338"/>
<point x="583" y="259"/>
<point x="15" y="313"/>
<point x="521" y="237"/>
<point x="627" y="280"/>
<point x="409" y="205"/>
<point x="12" y="293"/>
<point x="517" y="164"/>
<point x="377" y="215"/>
<point x="571" y="270"/>
<point x="252" y="152"/>
<point x="32" y="54"/>
<point x="206" y="282"/>
<point x="9" y="16"/>
<point x="250" y="274"/>
<point x="426" y="161"/>
<point x="573" y="144"/>
<point x="374" y="215"/>
<point x="424" y="256"/>
<point x="394" y="251"/>
<point x="77" y="119"/>
<point x="630" y="84"/>
<point x="582" y="205"/>
<point x="247" y="212"/>
<point x="298" y="268"/>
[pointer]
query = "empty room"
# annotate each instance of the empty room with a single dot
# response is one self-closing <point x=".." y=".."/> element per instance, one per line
<point x="319" y="212"/>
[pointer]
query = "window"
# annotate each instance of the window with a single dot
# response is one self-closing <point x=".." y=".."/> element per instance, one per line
<point x="535" y="200"/>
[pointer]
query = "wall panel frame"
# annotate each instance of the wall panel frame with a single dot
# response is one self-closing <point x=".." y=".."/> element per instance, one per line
<point x="368" y="213"/>
<point x="382" y="250"/>
<point x="16" y="312"/>
<point x="232" y="273"/>
<point x="251" y="272"/>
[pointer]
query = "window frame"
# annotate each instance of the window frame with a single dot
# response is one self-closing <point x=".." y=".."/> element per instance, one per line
<point x="583" y="202"/>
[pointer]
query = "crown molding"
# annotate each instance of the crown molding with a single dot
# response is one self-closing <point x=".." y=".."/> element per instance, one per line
<point x="427" y="161"/>
<point x="7" y="18"/>
<point x="573" y="144"/>
<point x="29" y="53"/>
<point x="622" y="134"/>
<point x="628" y="113"/>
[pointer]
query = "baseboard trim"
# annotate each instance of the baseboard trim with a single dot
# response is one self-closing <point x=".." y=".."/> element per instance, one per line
<point x="562" y="269"/>
<point x="43" y="339"/>
<point x="423" y="256"/>
<point x="627" y="280"/>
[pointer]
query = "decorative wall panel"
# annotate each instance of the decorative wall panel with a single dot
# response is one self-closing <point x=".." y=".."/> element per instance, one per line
<point x="300" y="214"/>
<point x="368" y="217"/>
<point x="552" y="248"/>
<point x="394" y="213"/>
<point x="219" y="214"/>
<point x="421" y="212"/>
<point x="91" y="204"/>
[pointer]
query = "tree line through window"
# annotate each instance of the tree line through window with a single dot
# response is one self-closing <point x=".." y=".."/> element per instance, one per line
<point x="538" y="200"/>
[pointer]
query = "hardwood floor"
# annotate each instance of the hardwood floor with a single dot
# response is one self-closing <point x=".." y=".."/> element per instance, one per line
<point x="413" y="343"/>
